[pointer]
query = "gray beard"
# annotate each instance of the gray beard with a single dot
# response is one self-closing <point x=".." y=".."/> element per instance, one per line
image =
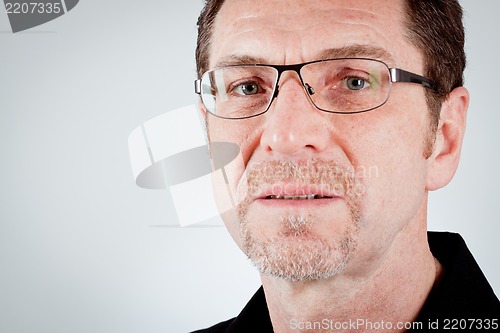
<point x="311" y="257"/>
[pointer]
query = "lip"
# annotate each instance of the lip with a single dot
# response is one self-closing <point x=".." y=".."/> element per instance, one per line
<point x="278" y="203"/>
<point x="302" y="193"/>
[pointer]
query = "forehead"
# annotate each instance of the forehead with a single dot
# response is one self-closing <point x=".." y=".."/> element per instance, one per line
<point x="284" y="32"/>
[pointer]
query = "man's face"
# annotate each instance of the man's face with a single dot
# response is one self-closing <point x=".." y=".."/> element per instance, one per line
<point x="366" y="171"/>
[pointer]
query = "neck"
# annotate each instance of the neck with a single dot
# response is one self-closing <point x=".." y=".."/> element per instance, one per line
<point x="393" y="292"/>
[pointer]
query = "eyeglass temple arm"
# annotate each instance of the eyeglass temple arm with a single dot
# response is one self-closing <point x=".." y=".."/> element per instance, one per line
<point x="400" y="75"/>
<point x="197" y="86"/>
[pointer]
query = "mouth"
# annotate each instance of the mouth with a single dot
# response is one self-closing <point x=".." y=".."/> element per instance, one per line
<point x="297" y="197"/>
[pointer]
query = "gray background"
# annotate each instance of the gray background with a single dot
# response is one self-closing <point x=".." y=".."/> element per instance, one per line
<point x="82" y="249"/>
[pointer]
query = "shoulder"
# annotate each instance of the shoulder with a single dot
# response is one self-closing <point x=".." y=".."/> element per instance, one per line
<point x="463" y="290"/>
<point x="221" y="327"/>
<point x="253" y="318"/>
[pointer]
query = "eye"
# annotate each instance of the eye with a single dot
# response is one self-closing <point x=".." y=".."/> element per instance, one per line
<point x="247" y="88"/>
<point x="355" y="83"/>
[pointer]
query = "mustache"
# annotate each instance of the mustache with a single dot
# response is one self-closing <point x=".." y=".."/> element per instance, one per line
<point x="321" y="174"/>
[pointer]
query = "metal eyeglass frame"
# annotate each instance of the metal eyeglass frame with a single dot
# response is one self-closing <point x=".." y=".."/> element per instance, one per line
<point x="396" y="74"/>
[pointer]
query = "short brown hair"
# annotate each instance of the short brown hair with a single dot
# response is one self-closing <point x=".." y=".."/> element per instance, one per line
<point x="205" y="30"/>
<point x="434" y="26"/>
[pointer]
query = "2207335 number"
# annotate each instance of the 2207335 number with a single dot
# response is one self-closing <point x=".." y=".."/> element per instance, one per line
<point x="32" y="8"/>
<point x="470" y="324"/>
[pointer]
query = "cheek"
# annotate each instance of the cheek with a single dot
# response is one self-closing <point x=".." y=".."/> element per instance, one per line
<point x="389" y="147"/>
<point x="244" y="134"/>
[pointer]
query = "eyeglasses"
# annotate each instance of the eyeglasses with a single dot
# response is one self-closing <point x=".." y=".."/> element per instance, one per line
<point x="346" y="85"/>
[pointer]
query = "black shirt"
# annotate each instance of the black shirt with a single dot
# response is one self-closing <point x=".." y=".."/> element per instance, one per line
<point x="463" y="298"/>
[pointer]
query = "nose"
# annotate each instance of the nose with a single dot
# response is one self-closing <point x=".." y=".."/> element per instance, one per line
<point x="293" y="124"/>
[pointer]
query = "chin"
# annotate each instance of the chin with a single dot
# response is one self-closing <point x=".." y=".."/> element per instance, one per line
<point x="297" y="247"/>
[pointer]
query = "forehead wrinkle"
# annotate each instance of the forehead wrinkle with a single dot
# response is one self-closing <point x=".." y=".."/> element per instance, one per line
<point x="254" y="22"/>
<point x="297" y="13"/>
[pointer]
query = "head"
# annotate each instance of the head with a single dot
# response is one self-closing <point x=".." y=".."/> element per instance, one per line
<point x="382" y="162"/>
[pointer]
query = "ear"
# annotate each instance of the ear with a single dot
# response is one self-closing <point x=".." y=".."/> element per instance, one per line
<point x="201" y="107"/>
<point x="203" y="119"/>
<point x="446" y="154"/>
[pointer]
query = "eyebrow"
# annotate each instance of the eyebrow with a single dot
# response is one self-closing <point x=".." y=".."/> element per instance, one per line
<point x="357" y="51"/>
<point x="352" y="51"/>
<point x="232" y="60"/>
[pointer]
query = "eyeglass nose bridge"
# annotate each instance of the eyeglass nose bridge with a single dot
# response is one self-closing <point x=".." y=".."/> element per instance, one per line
<point x="295" y="68"/>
